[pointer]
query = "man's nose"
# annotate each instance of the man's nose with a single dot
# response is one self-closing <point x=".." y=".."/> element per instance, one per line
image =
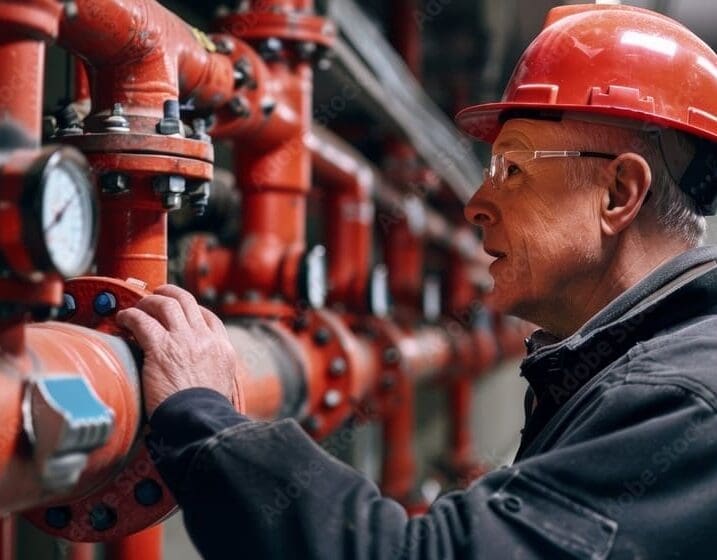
<point x="480" y="211"/>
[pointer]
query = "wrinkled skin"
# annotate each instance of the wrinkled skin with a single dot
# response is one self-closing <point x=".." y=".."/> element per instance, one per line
<point x="184" y="345"/>
<point x="569" y="250"/>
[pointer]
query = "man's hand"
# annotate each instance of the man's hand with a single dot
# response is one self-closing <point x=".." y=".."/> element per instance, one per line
<point x="184" y="345"/>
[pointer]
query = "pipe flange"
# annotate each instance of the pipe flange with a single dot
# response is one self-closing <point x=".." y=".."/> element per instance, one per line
<point x="386" y="336"/>
<point x="36" y="18"/>
<point x="134" y="497"/>
<point x="140" y="143"/>
<point x="296" y="27"/>
<point x="329" y="346"/>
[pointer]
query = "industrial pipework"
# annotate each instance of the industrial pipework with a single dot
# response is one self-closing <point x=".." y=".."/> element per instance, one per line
<point x="322" y="333"/>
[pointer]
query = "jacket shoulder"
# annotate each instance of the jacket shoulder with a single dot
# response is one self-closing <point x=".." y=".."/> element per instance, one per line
<point x="684" y="357"/>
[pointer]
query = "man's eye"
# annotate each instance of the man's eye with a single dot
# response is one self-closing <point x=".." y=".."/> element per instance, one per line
<point x="512" y="169"/>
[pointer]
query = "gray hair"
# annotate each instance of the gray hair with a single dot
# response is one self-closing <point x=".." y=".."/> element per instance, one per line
<point x="675" y="211"/>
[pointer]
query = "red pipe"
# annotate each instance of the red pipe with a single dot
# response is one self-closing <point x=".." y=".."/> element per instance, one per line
<point x="7" y="538"/>
<point x="53" y="349"/>
<point x="399" y="472"/>
<point x="404" y="255"/>
<point x="24" y="27"/>
<point x="81" y="551"/>
<point x="133" y="237"/>
<point x="141" y="54"/>
<point x="82" y="82"/>
<point x="273" y="171"/>
<point x="146" y="544"/>
<point x="348" y="184"/>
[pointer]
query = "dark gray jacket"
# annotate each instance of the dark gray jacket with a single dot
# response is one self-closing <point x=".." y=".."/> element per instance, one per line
<point x="618" y="457"/>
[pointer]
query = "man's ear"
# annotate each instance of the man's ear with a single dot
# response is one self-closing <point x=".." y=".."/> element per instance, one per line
<point x="629" y="184"/>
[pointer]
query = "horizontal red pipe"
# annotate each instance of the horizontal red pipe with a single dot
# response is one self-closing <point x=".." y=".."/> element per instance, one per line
<point x="52" y="349"/>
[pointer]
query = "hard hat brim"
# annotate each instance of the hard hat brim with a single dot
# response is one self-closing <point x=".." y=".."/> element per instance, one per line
<point x="484" y="122"/>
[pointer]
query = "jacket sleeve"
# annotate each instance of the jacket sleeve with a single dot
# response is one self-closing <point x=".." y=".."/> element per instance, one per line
<point x="267" y="491"/>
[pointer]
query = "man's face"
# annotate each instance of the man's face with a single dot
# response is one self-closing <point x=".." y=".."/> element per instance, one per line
<point x="545" y="231"/>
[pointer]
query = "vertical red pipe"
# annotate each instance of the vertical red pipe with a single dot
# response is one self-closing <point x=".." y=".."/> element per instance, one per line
<point x="82" y="81"/>
<point x="398" y="471"/>
<point x="273" y="170"/>
<point x="349" y="244"/>
<point x="7" y="538"/>
<point x="81" y="551"/>
<point x="145" y="545"/>
<point x="404" y="257"/>
<point x="21" y="79"/>
<point x="133" y="237"/>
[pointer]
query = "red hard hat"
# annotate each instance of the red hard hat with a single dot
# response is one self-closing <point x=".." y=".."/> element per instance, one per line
<point x="611" y="60"/>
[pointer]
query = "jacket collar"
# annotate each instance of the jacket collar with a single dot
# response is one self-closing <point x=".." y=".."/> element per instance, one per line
<point x="678" y="290"/>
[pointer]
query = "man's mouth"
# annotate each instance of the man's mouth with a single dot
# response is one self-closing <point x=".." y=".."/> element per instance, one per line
<point x="494" y="253"/>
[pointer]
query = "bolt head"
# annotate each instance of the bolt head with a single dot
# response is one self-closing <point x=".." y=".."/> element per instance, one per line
<point x="105" y="303"/>
<point x="270" y="49"/>
<point x="239" y="107"/>
<point x="391" y="355"/>
<point x="332" y="398"/>
<point x="337" y="367"/>
<point x="306" y="50"/>
<point x="322" y="336"/>
<point x="301" y="323"/>
<point x="172" y="201"/>
<point x="268" y="106"/>
<point x="114" y="183"/>
<point x="147" y="492"/>
<point x="388" y="382"/>
<point x="209" y="295"/>
<point x="171" y="109"/>
<point x="58" y="517"/>
<point x="169" y="184"/>
<point x="102" y="517"/>
<point x="224" y="45"/>
<point x="68" y="307"/>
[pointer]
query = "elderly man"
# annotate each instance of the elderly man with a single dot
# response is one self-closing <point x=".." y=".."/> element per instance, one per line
<point x="593" y="208"/>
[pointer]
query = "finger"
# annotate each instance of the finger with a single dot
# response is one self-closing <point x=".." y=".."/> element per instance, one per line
<point x="214" y="322"/>
<point x="188" y="303"/>
<point x="164" y="309"/>
<point x="146" y="330"/>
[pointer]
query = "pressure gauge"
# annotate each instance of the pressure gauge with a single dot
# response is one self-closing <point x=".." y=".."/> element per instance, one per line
<point x="60" y="213"/>
<point x="379" y="299"/>
<point x="313" y="277"/>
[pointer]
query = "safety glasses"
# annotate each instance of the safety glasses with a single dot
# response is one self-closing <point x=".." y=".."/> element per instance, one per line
<point x="510" y="164"/>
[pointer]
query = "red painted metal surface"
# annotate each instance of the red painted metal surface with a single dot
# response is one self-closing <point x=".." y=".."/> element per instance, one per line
<point x="7" y="538"/>
<point x="139" y="54"/>
<point x="113" y="479"/>
<point x="348" y="186"/>
<point x="403" y="251"/>
<point x="145" y="544"/>
<point x="24" y="26"/>
<point x="80" y="551"/>
<point x="399" y="471"/>
<point x="53" y="349"/>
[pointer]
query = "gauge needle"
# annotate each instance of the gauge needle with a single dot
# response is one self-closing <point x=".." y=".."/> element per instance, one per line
<point x="58" y="216"/>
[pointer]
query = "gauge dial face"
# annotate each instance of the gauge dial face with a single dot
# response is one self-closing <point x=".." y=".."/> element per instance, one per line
<point x="68" y="218"/>
<point x="314" y="283"/>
